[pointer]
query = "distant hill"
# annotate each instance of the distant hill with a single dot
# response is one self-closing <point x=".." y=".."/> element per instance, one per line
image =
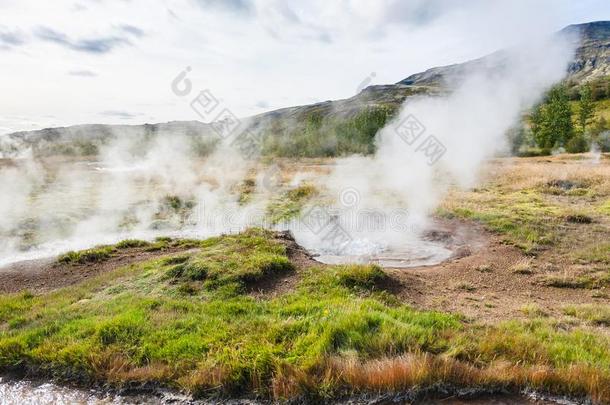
<point x="591" y="59"/>
<point x="83" y="140"/>
<point x="326" y="128"/>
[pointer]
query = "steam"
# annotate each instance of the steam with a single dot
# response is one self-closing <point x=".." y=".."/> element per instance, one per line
<point x="141" y="186"/>
<point x="468" y="127"/>
<point x="595" y="152"/>
<point x="135" y="188"/>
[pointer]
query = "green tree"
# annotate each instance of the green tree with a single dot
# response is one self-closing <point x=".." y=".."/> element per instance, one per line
<point x="559" y="116"/>
<point x="551" y="121"/>
<point x="537" y="125"/>
<point x="586" y="108"/>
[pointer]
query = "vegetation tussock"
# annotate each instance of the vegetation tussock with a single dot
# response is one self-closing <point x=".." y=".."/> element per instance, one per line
<point x="289" y="205"/>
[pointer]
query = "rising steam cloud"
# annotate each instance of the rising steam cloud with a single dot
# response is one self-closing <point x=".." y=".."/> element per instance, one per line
<point x="121" y="195"/>
<point x="469" y="125"/>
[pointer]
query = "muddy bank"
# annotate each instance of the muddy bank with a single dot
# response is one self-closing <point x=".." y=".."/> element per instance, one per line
<point x="18" y="392"/>
<point x="39" y="392"/>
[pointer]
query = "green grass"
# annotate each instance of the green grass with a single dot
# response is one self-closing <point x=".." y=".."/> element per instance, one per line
<point x="97" y="254"/>
<point x="591" y="281"/>
<point x="594" y="314"/>
<point x="131" y="243"/>
<point x="524" y="217"/>
<point x="605" y="208"/>
<point x="289" y="205"/>
<point x="230" y="262"/>
<point x="105" y="252"/>
<point x="186" y="321"/>
<point x="362" y="277"/>
<point x="533" y="310"/>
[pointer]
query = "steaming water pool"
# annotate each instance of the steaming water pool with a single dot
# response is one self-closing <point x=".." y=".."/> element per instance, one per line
<point x="404" y="248"/>
<point x="409" y="254"/>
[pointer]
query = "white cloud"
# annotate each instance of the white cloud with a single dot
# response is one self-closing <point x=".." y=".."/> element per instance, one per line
<point x="285" y="52"/>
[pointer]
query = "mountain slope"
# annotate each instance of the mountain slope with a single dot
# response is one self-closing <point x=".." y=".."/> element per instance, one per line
<point x="591" y="59"/>
<point x="326" y="128"/>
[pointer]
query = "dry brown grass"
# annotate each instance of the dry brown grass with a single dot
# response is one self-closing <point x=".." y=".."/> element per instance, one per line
<point x="204" y="379"/>
<point x="117" y="369"/>
<point x="518" y="174"/>
<point x="290" y="382"/>
<point x="414" y="370"/>
<point x="523" y="266"/>
<point x="350" y="375"/>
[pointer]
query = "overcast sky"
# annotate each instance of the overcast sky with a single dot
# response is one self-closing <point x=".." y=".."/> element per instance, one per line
<point x="68" y="62"/>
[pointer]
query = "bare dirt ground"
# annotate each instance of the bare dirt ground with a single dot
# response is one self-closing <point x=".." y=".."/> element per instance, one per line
<point x="277" y="285"/>
<point x="47" y="274"/>
<point x="480" y="284"/>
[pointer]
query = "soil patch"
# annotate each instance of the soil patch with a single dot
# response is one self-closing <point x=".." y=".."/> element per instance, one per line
<point x="275" y="284"/>
<point x="488" y="281"/>
<point x="48" y="274"/>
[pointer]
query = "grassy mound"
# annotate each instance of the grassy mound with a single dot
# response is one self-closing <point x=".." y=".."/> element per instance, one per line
<point x="186" y="321"/>
<point x="228" y="263"/>
<point x="290" y="204"/>
<point x="104" y="252"/>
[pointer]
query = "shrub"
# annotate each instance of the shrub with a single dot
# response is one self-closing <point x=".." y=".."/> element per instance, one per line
<point x="577" y="144"/>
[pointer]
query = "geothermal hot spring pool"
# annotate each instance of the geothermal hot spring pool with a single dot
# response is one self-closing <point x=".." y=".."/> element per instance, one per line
<point x="410" y="254"/>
